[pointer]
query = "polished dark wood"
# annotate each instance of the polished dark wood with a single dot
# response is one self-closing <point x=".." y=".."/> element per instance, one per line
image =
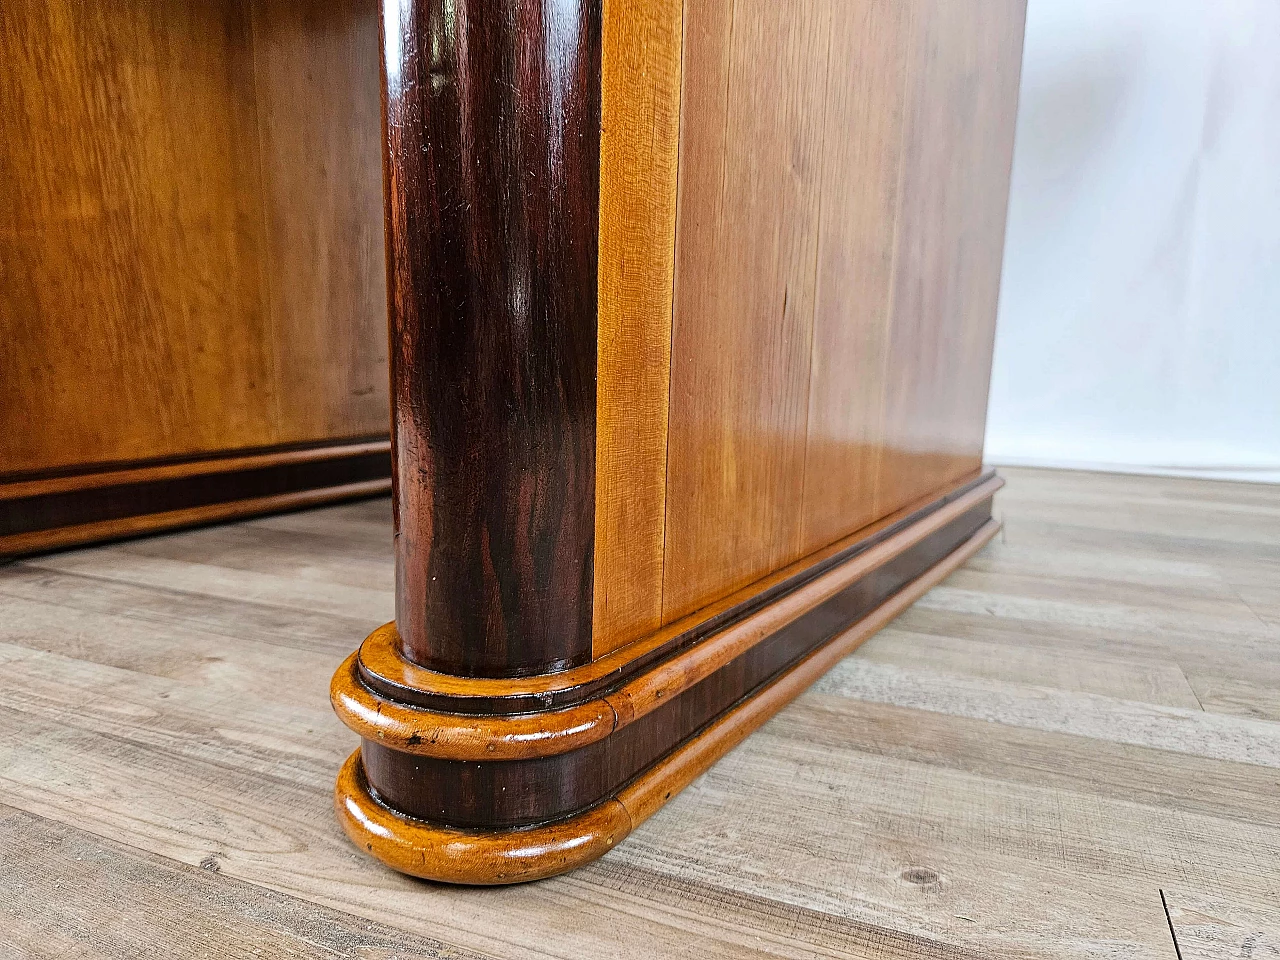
<point x="515" y="792"/>
<point x="70" y="508"/>
<point x="492" y="163"/>
<point x="459" y="855"/>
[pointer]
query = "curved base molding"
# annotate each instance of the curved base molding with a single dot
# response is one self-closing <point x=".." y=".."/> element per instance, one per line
<point x="506" y="798"/>
<point x="449" y="855"/>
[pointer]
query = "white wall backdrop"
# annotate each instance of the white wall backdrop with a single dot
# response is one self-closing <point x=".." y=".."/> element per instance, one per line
<point x="1139" y="319"/>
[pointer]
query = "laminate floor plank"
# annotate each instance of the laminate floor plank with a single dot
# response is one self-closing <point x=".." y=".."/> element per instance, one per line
<point x="1177" y="729"/>
<point x="366" y="520"/>
<point x="262" y="814"/>
<point x="1073" y="763"/>
<point x="1071" y="748"/>
<point x="66" y="893"/>
<point x="1012" y="868"/>
<point x="1214" y="928"/>
<point x="306" y="555"/>
<point x="253" y="586"/>
<point x="1244" y="697"/>
<point x="123" y="768"/>
<point x="106" y="611"/>
<point x="1139" y="680"/>
<point x="1095" y="632"/>
<point x="232" y="664"/>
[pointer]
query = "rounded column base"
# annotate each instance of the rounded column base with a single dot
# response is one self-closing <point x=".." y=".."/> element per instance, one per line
<point x="458" y="780"/>
<point x="479" y="857"/>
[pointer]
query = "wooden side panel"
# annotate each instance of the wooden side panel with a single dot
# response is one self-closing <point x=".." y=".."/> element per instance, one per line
<point x="843" y="181"/>
<point x="320" y="112"/>
<point x="746" y="243"/>
<point x="119" y="283"/>
<point x="861" y="167"/>
<point x="639" y="147"/>
<point x="190" y="252"/>
<point x="958" y="150"/>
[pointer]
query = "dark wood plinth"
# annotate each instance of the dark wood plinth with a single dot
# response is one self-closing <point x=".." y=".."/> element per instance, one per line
<point x="456" y="795"/>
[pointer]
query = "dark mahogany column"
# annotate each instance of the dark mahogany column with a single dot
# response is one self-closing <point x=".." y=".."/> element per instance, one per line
<point x="492" y="195"/>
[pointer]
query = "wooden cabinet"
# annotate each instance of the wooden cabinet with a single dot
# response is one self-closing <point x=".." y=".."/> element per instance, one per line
<point x="192" y="292"/>
<point x="692" y="308"/>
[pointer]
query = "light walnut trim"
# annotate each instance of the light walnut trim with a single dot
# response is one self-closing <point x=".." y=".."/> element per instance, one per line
<point x="639" y="147"/>
<point x="460" y="736"/>
<point x="451" y="736"/>
<point x="645" y="795"/>
<point x="450" y="855"/>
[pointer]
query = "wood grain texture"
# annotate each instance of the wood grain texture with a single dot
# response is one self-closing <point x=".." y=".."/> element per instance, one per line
<point x="866" y="98"/>
<point x="843" y="179"/>
<point x="384" y="668"/>
<point x="67" y="893"/>
<point x="434" y="852"/>
<point x="319" y="110"/>
<point x="957" y="155"/>
<point x="416" y="846"/>
<point x="1206" y="927"/>
<point x="843" y="827"/>
<point x="492" y="165"/>
<point x="414" y="730"/>
<point x="750" y="142"/>
<point x="190" y="231"/>
<point x="639" y="149"/>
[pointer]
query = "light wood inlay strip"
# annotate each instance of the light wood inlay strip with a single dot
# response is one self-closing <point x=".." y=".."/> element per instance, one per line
<point x="639" y="144"/>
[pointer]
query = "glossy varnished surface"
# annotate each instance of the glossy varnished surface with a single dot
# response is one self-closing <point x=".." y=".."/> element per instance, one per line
<point x="1080" y="717"/>
<point x="909" y="253"/>
<point x="385" y="669"/>
<point x="676" y="346"/>
<point x="746" y="232"/>
<point x="766" y="375"/>
<point x="492" y="162"/>
<point x="860" y="179"/>
<point x="843" y="174"/>
<point x="956" y="153"/>
<point x="435" y="852"/>
<point x="190" y="228"/>
<point x="459" y="856"/>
